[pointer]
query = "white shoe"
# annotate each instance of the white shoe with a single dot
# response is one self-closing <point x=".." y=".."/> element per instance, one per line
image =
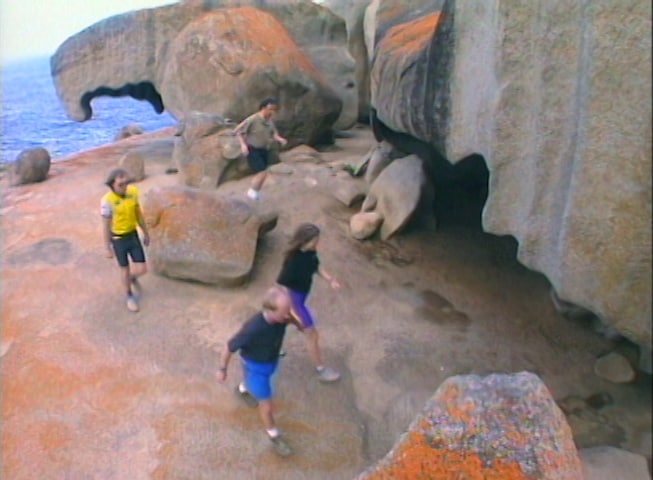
<point x="253" y="194"/>
<point x="328" y="375"/>
<point x="132" y="303"/>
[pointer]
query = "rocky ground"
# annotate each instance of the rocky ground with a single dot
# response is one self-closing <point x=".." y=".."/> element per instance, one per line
<point x="91" y="390"/>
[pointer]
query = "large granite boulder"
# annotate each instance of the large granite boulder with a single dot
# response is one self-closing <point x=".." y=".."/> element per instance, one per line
<point x="220" y="63"/>
<point x="500" y="426"/>
<point x="552" y="95"/>
<point x="203" y="237"/>
<point x="129" y="55"/>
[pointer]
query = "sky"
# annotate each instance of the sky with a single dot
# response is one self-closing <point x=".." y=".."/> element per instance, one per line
<point x="31" y="28"/>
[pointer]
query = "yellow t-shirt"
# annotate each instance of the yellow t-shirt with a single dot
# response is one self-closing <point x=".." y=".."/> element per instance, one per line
<point x="123" y="211"/>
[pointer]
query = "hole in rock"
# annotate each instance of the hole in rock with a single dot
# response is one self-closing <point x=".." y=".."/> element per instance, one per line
<point x="138" y="91"/>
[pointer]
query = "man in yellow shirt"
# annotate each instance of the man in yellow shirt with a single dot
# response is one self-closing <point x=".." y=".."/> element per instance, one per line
<point x="121" y="215"/>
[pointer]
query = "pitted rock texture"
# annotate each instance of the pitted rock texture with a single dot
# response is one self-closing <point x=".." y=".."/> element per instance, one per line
<point x="498" y="427"/>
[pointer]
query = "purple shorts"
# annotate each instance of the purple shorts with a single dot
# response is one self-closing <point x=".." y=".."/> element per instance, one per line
<point x="300" y="309"/>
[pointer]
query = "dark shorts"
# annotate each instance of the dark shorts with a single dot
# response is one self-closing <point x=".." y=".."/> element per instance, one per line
<point x="125" y="246"/>
<point x="257" y="159"/>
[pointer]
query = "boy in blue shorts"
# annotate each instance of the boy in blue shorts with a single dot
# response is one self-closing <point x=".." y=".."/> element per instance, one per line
<point x="259" y="341"/>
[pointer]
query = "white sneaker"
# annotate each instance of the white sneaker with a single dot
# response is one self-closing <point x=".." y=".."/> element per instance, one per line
<point x="328" y="375"/>
<point x="253" y="194"/>
<point x="132" y="303"/>
<point x="281" y="446"/>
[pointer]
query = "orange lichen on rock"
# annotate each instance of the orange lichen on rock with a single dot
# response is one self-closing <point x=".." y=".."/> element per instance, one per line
<point x="411" y="37"/>
<point x="417" y="459"/>
<point x="260" y="33"/>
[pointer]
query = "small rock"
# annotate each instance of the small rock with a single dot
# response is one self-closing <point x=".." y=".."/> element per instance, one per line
<point x="614" y="368"/>
<point x="363" y="225"/>
<point x="31" y="166"/>
<point x="129" y="131"/>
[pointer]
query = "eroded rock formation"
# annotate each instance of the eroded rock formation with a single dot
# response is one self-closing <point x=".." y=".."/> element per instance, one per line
<point x="552" y="96"/>
<point x="203" y="54"/>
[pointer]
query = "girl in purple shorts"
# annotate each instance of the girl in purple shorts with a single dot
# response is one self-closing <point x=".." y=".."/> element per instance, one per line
<point x="300" y="264"/>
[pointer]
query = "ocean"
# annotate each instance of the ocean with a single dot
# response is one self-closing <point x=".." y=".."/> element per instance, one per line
<point x="31" y="115"/>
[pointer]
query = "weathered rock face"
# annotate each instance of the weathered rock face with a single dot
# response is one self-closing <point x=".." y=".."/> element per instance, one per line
<point x="228" y="60"/>
<point x="499" y="426"/>
<point x="353" y="12"/>
<point x="95" y="62"/>
<point x="562" y="121"/>
<point x="201" y="236"/>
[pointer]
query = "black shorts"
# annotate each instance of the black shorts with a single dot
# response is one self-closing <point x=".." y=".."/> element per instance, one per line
<point x="257" y="159"/>
<point x="128" y="245"/>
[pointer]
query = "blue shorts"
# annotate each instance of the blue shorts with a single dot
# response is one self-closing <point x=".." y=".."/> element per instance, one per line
<point x="260" y="378"/>
<point x="300" y="309"/>
<point x="128" y="245"/>
<point x="257" y="158"/>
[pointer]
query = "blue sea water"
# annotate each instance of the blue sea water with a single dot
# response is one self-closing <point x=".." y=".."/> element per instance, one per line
<point x="32" y="116"/>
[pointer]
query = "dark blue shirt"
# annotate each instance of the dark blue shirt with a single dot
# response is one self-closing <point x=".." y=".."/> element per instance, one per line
<point x="258" y="340"/>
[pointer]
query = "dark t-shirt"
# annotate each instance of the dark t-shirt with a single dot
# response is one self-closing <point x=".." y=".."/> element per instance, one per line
<point x="259" y="340"/>
<point x="298" y="270"/>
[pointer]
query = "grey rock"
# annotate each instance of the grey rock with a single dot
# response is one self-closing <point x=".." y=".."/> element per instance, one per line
<point x="610" y="463"/>
<point x="614" y="368"/>
<point x="364" y="224"/>
<point x="31" y="166"/>
<point x="396" y="194"/>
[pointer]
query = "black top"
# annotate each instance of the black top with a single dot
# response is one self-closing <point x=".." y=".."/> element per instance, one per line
<point x="259" y="340"/>
<point x="298" y="270"/>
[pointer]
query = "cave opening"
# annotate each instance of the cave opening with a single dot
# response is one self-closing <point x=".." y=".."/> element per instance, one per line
<point x="143" y="91"/>
<point x="460" y="189"/>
